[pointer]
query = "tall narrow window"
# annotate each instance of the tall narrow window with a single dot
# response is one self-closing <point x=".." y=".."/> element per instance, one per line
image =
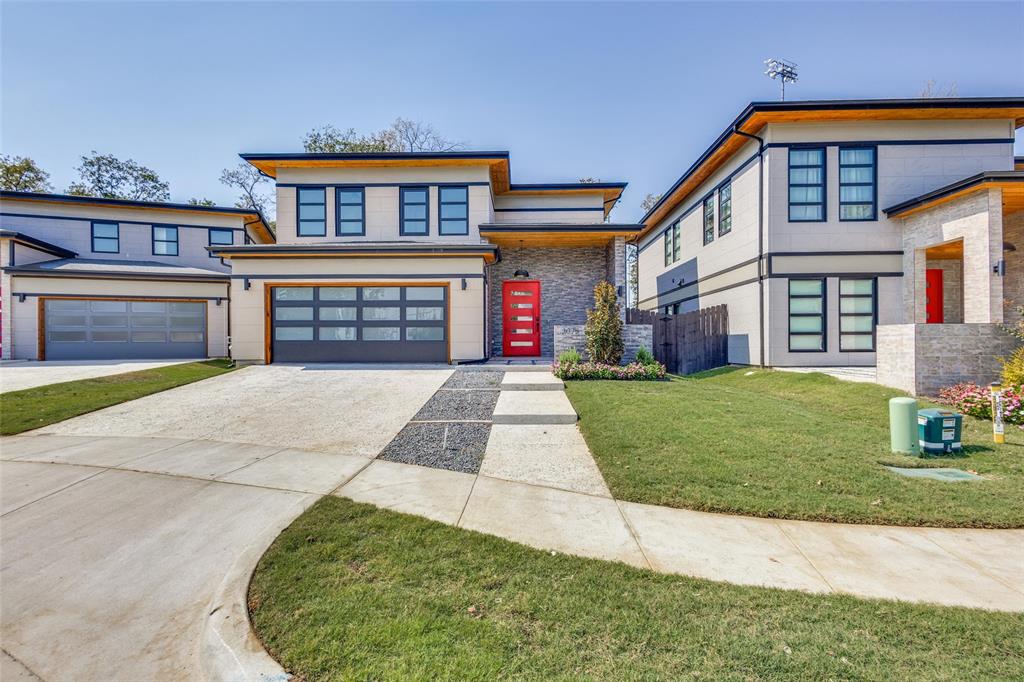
<point x="106" y="237"/>
<point x="857" y="173"/>
<point x="857" y="316"/>
<point x="807" y="184"/>
<point x="668" y="246"/>
<point x="454" y="202"/>
<point x="165" y="240"/>
<point x="311" y="212"/>
<point x="414" y="202"/>
<point x="350" y="211"/>
<point x="673" y="243"/>
<point x="221" y="238"/>
<point x="725" y="209"/>
<point x="807" y="315"/>
<point x="677" y="242"/>
<point x="709" y="220"/>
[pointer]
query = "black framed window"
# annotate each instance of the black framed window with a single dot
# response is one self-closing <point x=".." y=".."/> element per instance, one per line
<point x="806" y="184"/>
<point x="673" y="243"/>
<point x="221" y="238"/>
<point x="725" y="209"/>
<point x="350" y="211"/>
<point x="454" y="210"/>
<point x="709" y="220"/>
<point x="414" y="205"/>
<point x="311" y="211"/>
<point x="165" y="240"/>
<point x="807" y="331"/>
<point x="106" y="237"/>
<point x="858" y="314"/>
<point x="858" y="173"/>
<point x="668" y="246"/>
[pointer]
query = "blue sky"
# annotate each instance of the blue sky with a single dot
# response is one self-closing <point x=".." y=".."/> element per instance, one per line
<point x="619" y="91"/>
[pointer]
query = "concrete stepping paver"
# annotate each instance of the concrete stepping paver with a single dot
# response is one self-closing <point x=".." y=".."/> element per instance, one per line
<point x="897" y="563"/>
<point x="553" y="455"/>
<point x="531" y="381"/>
<point x="299" y="470"/>
<point x="533" y="407"/>
<point x="745" y="551"/>
<point x="551" y="519"/>
<point x="436" y="494"/>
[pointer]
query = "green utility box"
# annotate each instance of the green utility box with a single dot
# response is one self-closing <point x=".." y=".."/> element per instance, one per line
<point x="938" y="431"/>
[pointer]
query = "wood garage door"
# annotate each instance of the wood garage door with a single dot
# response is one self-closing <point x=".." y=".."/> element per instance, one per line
<point x="345" y="323"/>
<point x="121" y="329"/>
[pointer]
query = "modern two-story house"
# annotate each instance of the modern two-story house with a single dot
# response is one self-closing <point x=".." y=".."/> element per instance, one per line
<point x="84" y="278"/>
<point x="420" y="257"/>
<point x="865" y="232"/>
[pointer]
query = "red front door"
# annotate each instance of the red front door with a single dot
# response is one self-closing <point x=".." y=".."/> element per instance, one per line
<point x="933" y="296"/>
<point x="520" y="317"/>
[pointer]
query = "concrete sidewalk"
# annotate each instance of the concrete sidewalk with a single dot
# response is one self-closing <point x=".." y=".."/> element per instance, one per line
<point x="20" y="375"/>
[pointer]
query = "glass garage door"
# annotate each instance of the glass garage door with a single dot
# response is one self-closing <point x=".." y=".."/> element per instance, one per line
<point x="115" y="330"/>
<point x="359" y="324"/>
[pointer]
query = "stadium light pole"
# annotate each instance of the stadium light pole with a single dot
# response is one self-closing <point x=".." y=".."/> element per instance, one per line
<point x="782" y="70"/>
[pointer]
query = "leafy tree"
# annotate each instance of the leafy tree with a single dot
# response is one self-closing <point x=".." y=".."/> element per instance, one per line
<point x="401" y="136"/>
<point x="588" y="181"/>
<point x="246" y="178"/>
<point x="106" y="176"/>
<point x="603" y="329"/>
<point x="649" y="201"/>
<point x="21" y="174"/>
<point x="201" y="202"/>
<point x="934" y="89"/>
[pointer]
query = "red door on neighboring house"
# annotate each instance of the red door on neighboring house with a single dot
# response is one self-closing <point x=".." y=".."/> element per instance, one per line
<point x="520" y="317"/>
<point x="933" y="296"/>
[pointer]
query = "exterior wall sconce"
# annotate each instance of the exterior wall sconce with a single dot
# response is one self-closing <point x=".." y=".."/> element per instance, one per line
<point x="464" y="284"/>
<point x="999" y="268"/>
<point x="245" y="283"/>
<point x="21" y="298"/>
<point x="218" y="300"/>
<point x="521" y="273"/>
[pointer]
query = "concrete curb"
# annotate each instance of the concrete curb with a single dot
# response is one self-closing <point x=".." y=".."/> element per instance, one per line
<point x="229" y="650"/>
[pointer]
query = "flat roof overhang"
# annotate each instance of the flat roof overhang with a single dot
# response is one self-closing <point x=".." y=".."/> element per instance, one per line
<point x="251" y="217"/>
<point x="1010" y="182"/>
<point x="759" y="114"/>
<point x="488" y="252"/>
<point x="37" y="244"/>
<point x="510" y="235"/>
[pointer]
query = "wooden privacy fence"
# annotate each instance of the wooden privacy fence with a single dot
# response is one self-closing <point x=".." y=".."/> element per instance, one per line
<point x="687" y="342"/>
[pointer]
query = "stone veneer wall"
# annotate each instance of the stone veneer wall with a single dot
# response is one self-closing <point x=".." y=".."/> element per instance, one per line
<point x="923" y="358"/>
<point x="634" y="337"/>
<point x="567" y="280"/>
<point x="1013" y="283"/>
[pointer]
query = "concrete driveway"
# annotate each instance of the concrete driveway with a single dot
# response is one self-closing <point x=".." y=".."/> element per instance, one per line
<point x="17" y="376"/>
<point x="119" y="527"/>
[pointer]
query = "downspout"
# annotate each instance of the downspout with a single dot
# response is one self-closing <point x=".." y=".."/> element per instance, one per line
<point x="760" y="237"/>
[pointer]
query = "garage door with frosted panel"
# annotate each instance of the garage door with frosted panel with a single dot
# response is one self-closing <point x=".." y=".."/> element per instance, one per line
<point x="114" y="329"/>
<point x="359" y="324"/>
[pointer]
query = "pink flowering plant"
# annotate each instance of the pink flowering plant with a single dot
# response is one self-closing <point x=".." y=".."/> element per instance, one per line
<point x="976" y="401"/>
<point x="570" y="365"/>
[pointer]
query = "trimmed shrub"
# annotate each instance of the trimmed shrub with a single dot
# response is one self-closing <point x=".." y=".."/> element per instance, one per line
<point x="644" y="357"/>
<point x="976" y="401"/>
<point x="604" y="327"/>
<point x="570" y="356"/>
<point x="1013" y="368"/>
<point x="634" y="371"/>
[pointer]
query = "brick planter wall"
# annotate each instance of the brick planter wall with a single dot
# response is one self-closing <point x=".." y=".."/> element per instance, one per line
<point x="923" y="358"/>
<point x="634" y="337"/>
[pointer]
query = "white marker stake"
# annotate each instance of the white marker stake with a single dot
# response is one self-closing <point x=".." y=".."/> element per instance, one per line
<point x="998" y="435"/>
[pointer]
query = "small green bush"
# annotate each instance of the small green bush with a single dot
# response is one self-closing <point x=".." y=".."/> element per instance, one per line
<point x="1013" y="368"/>
<point x="569" y="357"/>
<point x="644" y="357"/>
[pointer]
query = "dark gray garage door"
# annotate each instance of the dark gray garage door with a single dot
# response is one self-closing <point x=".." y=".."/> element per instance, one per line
<point x="120" y="329"/>
<point x="360" y="324"/>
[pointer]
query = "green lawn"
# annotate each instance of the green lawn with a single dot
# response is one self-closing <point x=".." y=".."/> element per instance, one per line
<point x="351" y="592"/>
<point x="779" y="444"/>
<point x="37" y="407"/>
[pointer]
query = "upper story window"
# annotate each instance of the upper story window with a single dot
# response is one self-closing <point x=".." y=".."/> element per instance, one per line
<point x="165" y="240"/>
<point x="857" y="183"/>
<point x="311" y="212"/>
<point x="106" y="237"/>
<point x="806" y="184"/>
<point x="221" y="238"/>
<point x="807" y="315"/>
<point x="673" y="244"/>
<point x="413" y="208"/>
<point x="350" y="211"/>
<point x="709" y="220"/>
<point x="454" y="202"/>
<point x="725" y="209"/>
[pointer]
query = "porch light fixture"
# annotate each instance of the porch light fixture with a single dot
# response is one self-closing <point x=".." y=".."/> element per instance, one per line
<point x="464" y="284"/>
<point x="521" y="273"/>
